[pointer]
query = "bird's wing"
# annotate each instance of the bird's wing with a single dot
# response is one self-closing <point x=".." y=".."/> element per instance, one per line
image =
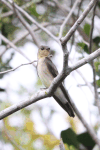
<point x="52" y="68"/>
<point x="67" y="107"/>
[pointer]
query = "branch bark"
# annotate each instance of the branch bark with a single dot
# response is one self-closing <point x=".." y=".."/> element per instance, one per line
<point x="65" y="39"/>
<point x="7" y="71"/>
<point x="67" y="18"/>
<point x="26" y="25"/>
<point x="35" y="22"/>
<point x="13" y="46"/>
<point x="92" y="63"/>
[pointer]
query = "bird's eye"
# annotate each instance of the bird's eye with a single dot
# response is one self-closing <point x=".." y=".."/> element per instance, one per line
<point x="48" y="49"/>
<point x="42" y="48"/>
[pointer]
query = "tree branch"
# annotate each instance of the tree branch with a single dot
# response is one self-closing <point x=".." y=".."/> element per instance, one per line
<point x="92" y="63"/>
<point x="13" y="46"/>
<point x="67" y="18"/>
<point x="65" y="39"/>
<point x="7" y="71"/>
<point x="11" y="12"/>
<point x="86" y="82"/>
<point x="34" y="21"/>
<point x="7" y="4"/>
<point x="26" y="25"/>
<point x="19" y="38"/>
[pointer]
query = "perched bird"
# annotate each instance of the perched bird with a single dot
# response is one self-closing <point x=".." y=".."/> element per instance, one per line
<point x="47" y="71"/>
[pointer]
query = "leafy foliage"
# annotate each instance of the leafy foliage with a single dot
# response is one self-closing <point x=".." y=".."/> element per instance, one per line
<point x="83" y="46"/>
<point x="87" y="29"/>
<point x="71" y="138"/>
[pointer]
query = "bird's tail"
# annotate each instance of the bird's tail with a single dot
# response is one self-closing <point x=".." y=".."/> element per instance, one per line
<point x="67" y="107"/>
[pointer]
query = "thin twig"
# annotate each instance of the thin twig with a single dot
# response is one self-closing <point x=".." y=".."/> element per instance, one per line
<point x="11" y="12"/>
<point x="26" y="33"/>
<point x="67" y="18"/>
<point x="72" y="42"/>
<point x="67" y="9"/>
<point x="13" y="46"/>
<point x="7" y="4"/>
<point x="27" y="26"/>
<point x="65" y="39"/>
<point x="92" y="63"/>
<point x="89" y="128"/>
<point x="7" y="71"/>
<point x="19" y="38"/>
<point x="80" y="4"/>
<point x="85" y="42"/>
<point x="86" y="82"/>
<point x="35" y="22"/>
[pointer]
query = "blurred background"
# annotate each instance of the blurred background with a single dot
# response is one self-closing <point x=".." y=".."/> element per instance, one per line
<point x="39" y="126"/>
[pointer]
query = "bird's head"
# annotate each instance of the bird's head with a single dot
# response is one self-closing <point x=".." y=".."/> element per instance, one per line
<point x="43" y="51"/>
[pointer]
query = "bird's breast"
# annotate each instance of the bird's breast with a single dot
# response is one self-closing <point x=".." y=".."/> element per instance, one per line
<point x="44" y="73"/>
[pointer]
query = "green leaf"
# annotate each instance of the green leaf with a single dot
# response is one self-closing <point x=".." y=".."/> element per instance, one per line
<point x="96" y="40"/>
<point x="69" y="137"/>
<point x="86" y="140"/>
<point x="32" y="10"/>
<point x="97" y="68"/>
<point x="87" y="29"/>
<point x="83" y="46"/>
<point x="97" y="65"/>
<point x="99" y="4"/>
<point x="98" y="82"/>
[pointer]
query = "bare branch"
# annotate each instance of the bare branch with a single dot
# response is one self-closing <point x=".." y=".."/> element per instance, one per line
<point x="86" y="59"/>
<point x="7" y="4"/>
<point x="11" y="12"/>
<point x="65" y="39"/>
<point x="19" y="38"/>
<point x="6" y="14"/>
<point x="27" y="26"/>
<point x="92" y="63"/>
<point x="26" y="33"/>
<point x="89" y="128"/>
<point x="67" y="18"/>
<point x="35" y="22"/>
<point x="85" y="42"/>
<point x="86" y="82"/>
<point x="78" y="14"/>
<point x="7" y="71"/>
<point x="13" y="46"/>
<point x="67" y="9"/>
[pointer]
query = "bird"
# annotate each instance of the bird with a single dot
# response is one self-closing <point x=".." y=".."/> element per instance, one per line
<point x="47" y="71"/>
